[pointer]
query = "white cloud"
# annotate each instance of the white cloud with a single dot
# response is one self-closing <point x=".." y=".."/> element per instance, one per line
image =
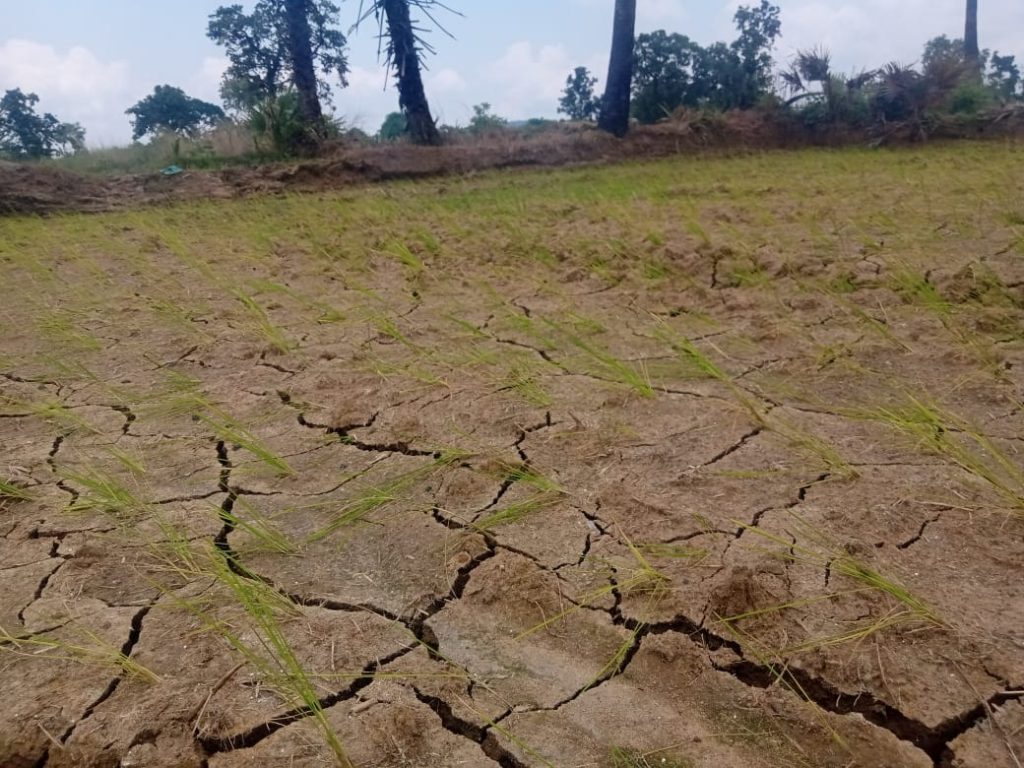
<point x="650" y="12"/>
<point x="74" y="84"/>
<point x="527" y="80"/>
<point x="445" y="81"/>
<point x="868" y="33"/>
<point x="205" y="84"/>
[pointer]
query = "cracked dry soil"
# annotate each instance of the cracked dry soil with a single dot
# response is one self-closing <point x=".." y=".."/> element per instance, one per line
<point x="691" y="463"/>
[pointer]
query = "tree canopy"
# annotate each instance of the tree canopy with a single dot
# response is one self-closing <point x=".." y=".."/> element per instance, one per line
<point x="26" y="135"/>
<point x="674" y="71"/>
<point x="578" y="101"/>
<point x="170" y="109"/>
<point x="257" y="47"/>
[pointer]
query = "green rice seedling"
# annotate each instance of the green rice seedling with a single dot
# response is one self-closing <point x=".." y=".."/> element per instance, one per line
<point x="615" y="369"/>
<point x="615" y="664"/>
<point x="536" y="757"/>
<point x="186" y="319"/>
<point x="691" y="224"/>
<point x="90" y="649"/>
<point x="945" y="434"/>
<point x="262" y="604"/>
<point x="523" y="380"/>
<point x="101" y="492"/>
<point x="408" y="259"/>
<point x="13" y="492"/>
<point x="874" y="325"/>
<point x="821" y="553"/>
<point x="429" y="242"/>
<point x="60" y="327"/>
<point x="812" y="445"/>
<point x="690" y="354"/>
<point x="372" y="498"/>
<point x="273" y="334"/>
<point x="230" y="431"/>
<point x="169" y="238"/>
<point x="643" y="579"/>
<point x="916" y="289"/>
<point x="417" y="373"/>
<point x="265" y="534"/>
<point x="535" y="330"/>
<point x="387" y="326"/>
<point x="749" y="275"/>
<point x="180" y="395"/>
<point x="622" y="757"/>
<point x="584" y="325"/>
<point x="779" y="670"/>
<point x="61" y="415"/>
<point x="467" y="326"/>
<point x="515" y="512"/>
<point x="132" y="463"/>
<point x="531" y="476"/>
<point x="694" y="359"/>
<point x="656" y="271"/>
<point x="673" y="551"/>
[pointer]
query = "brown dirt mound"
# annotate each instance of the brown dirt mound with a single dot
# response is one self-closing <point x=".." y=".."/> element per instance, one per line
<point x="32" y="189"/>
<point x="35" y="189"/>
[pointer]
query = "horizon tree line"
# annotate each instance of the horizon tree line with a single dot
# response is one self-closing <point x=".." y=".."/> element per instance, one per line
<point x="283" y="53"/>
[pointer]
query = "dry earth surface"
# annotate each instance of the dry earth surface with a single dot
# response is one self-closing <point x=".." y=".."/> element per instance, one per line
<point x="679" y="463"/>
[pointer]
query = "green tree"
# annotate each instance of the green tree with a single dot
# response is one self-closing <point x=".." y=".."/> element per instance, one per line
<point x="664" y="76"/>
<point x="759" y="27"/>
<point x="673" y="71"/>
<point x="1004" y="77"/>
<point x="614" y="117"/>
<point x="393" y="128"/>
<point x="484" y="121"/>
<point x="940" y="50"/>
<point x="578" y="101"/>
<point x="258" y="47"/>
<point x="25" y="135"/>
<point x="171" y="109"/>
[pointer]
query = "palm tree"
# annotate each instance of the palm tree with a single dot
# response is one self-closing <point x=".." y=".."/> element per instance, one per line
<point x="971" y="50"/>
<point x="300" y="51"/>
<point x="405" y="48"/>
<point x="614" y="117"/>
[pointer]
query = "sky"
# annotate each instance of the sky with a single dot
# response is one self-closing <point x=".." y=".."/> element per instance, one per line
<point x="89" y="60"/>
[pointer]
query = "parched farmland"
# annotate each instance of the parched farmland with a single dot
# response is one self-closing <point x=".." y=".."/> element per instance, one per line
<point x="696" y="462"/>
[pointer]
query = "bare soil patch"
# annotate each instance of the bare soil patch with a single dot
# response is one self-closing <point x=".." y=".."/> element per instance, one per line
<point x="687" y="462"/>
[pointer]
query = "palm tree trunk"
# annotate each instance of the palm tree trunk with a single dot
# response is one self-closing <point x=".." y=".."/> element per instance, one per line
<point x="614" y="116"/>
<point x="405" y="59"/>
<point x="971" y="50"/>
<point x="300" y="50"/>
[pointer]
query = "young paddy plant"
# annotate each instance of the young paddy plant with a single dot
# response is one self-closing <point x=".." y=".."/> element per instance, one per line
<point x="273" y="334"/>
<point x="514" y="512"/>
<point x="11" y="491"/>
<point x="641" y="579"/>
<point x="101" y="492"/>
<point x="810" y="547"/>
<point x="272" y="654"/>
<point x="265" y="534"/>
<point x="228" y="430"/>
<point x="88" y="648"/>
<point x="615" y="369"/>
<point x="524" y="380"/>
<point x="373" y="498"/>
<point x="943" y="433"/>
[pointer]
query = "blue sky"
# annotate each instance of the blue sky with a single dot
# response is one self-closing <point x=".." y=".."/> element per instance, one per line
<point x="91" y="59"/>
